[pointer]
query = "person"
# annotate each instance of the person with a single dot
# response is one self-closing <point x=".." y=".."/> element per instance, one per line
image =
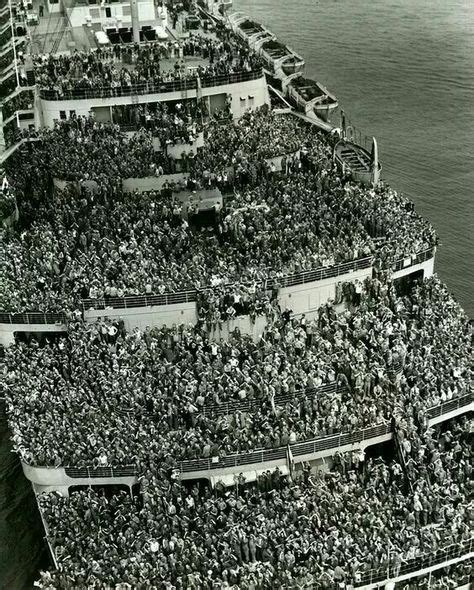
<point x="264" y="528"/>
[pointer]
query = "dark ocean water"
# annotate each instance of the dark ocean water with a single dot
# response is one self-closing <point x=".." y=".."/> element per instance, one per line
<point x="404" y="72"/>
<point x="21" y="535"/>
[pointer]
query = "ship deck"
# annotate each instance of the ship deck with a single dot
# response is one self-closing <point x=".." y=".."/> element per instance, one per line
<point x="53" y="33"/>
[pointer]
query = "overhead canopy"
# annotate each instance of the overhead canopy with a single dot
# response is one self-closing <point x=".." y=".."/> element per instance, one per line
<point x="230" y="479"/>
<point x="203" y="200"/>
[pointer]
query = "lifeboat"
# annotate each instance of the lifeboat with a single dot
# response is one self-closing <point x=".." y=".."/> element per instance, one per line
<point x="249" y="30"/>
<point x="278" y="57"/>
<point x="309" y="96"/>
<point x="363" y="165"/>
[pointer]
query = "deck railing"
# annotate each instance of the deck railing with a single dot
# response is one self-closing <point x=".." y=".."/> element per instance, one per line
<point x="100" y="472"/>
<point x="245" y="405"/>
<point x="323" y="443"/>
<point x="250" y="458"/>
<point x="318" y="274"/>
<point x="149" y="87"/>
<point x="259" y="456"/>
<point x="419" y="563"/>
<point x="188" y="296"/>
<point x="32" y="318"/>
<point x="297" y="449"/>
<point x="339" y="440"/>
<point x="140" y="300"/>
<point x="449" y="406"/>
<point x="416" y="259"/>
<point x="248" y="405"/>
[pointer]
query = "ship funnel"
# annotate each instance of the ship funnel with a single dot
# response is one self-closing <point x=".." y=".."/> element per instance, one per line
<point x="375" y="162"/>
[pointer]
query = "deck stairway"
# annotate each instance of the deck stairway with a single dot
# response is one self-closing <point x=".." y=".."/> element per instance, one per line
<point x="61" y="28"/>
<point x="16" y="92"/>
<point x="8" y="46"/>
<point x="22" y="113"/>
<point x="12" y="149"/>
<point x="7" y="73"/>
<point x="5" y="27"/>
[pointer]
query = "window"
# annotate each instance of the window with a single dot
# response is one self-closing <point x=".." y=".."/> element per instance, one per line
<point x="251" y="101"/>
<point x="72" y="113"/>
<point x="126" y="11"/>
<point x="95" y="13"/>
<point x="62" y="115"/>
<point x="108" y="12"/>
<point x="243" y="102"/>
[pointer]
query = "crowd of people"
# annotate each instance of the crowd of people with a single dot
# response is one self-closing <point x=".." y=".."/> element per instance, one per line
<point x="7" y="204"/>
<point x="109" y="243"/>
<point x="120" y="67"/>
<point x="450" y="577"/>
<point x="171" y="123"/>
<point x="320" y="530"/>
<point x="106" y="397"/>
<point x="22" y="101"/>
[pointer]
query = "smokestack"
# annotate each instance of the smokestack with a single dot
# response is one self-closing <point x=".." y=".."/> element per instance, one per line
<point x="135" y="20"/>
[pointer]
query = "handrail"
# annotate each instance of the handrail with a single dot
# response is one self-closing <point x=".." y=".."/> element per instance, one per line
<point x="300" y="278"/>
<point x="318" y="274"/>
<point x="32" y="318"/>
<point x="421" y="562"/>
<point x="100" y="472"/>
<point x="21" y="116"/>
<point x="334" y="441"/>
<point x="12" y="149"/>
<point x="418" y="258"/>
<point x="318" y="444"/>
<point x="449" y="406"/>
<point x="150" y="87"/>
<point x="249" y="405"/>
<point x="258" y="456"/>
<point x="190" y="296"/>
<point x="323" y="443"/>
<point x="231" y="407"/>
<point x="140" y="300"/>
<point x="15" y="93"/>
<point x="9" y="47"/>
<point x="282" y="398"/>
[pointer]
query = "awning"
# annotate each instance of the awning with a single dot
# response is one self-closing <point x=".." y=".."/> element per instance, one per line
<point x="229" y="479"/>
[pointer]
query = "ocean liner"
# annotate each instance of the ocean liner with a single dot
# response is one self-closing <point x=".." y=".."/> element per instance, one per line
<point x="226" y="360"/>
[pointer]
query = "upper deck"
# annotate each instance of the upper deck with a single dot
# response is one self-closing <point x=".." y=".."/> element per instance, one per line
<point x="102" y="58"/>
<point x="73" y="24"/>
<point x="90" y="57"/>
